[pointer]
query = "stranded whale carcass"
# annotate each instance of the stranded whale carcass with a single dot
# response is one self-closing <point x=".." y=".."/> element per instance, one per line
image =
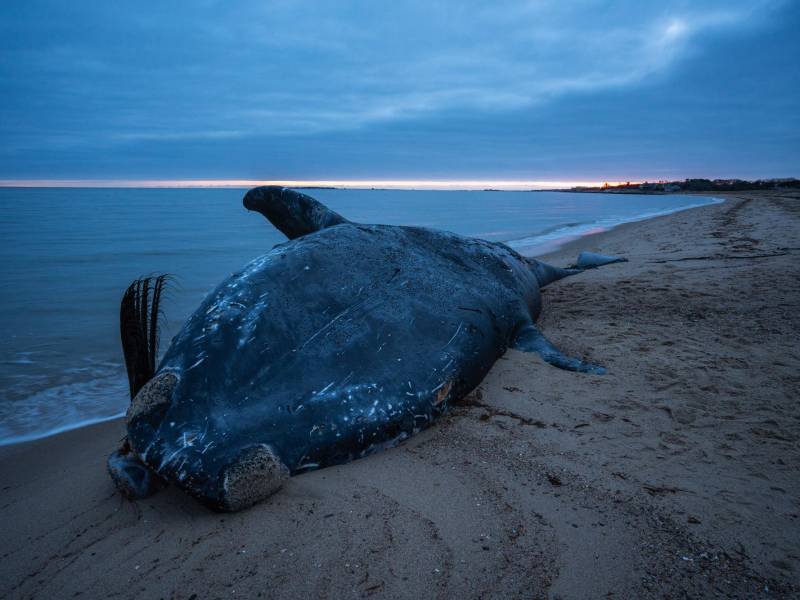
<point x="344" y="340"/>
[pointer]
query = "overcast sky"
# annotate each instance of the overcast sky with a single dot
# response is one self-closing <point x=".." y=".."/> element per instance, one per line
<point x="366" y="89"/>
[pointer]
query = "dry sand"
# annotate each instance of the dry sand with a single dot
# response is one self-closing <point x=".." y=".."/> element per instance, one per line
<point x="675" y="475"/>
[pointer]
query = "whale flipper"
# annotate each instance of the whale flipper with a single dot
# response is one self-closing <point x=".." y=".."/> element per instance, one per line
<point x="530" y="339"/>
<point x="592" y="260"/>
<point x="293" y="213"/>
<point x="547" y="274"/>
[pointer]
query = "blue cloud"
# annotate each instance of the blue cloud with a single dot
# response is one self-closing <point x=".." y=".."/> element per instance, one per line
<point x="312" y="89"/>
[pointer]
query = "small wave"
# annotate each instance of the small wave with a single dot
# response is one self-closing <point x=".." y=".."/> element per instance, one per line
<point x="63" y="407"/>
<point x="30" y="437"/>
<point x="551" y="240"/>
<point x="21" y="358"/>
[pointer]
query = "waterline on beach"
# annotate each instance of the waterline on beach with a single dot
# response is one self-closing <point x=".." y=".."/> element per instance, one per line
<point x="553" y="240"/>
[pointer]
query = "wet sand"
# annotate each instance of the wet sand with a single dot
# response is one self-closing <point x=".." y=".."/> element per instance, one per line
<point x="674" y="475"/>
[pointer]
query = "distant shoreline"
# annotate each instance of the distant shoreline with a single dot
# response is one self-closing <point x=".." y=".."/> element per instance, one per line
<point x="246" y="187"/>
<point x="417" y="185"/>
<point x="455" y="185"/>
<point x="363" y="189"/>
<point x="708" y="186"/>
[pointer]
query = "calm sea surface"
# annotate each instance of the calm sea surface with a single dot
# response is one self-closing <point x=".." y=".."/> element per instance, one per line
<point x="66" y="255"/>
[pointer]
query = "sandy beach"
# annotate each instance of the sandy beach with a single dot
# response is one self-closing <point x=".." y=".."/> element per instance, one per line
<point x="675" y="475"/>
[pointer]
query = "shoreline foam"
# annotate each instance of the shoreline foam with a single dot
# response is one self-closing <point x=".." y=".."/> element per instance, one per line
<point x="549" y="242"/>
<point x="35" y="437"/>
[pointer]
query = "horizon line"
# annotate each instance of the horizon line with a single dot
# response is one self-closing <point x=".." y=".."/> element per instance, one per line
<point x="399" y="184"/>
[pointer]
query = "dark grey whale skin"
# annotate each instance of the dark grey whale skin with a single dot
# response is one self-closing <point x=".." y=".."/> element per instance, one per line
<point x="334" y="345"/>
<point x="342" y="341"/>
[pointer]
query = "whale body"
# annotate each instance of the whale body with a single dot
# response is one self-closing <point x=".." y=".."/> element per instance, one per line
<point x="344" y="340"/>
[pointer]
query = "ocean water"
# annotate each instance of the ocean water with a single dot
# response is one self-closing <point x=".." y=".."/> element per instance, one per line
<point x="66" y="256"/>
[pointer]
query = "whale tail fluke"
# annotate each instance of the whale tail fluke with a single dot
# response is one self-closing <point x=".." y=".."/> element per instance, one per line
<point x="592" y="260"/>
<point x="547" y="274"/>
<point x="138" y="325"/>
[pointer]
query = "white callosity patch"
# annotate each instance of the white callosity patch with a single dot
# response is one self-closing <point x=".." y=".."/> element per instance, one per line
<point x="257" y="473"/>
<point x="155" y="393"/>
